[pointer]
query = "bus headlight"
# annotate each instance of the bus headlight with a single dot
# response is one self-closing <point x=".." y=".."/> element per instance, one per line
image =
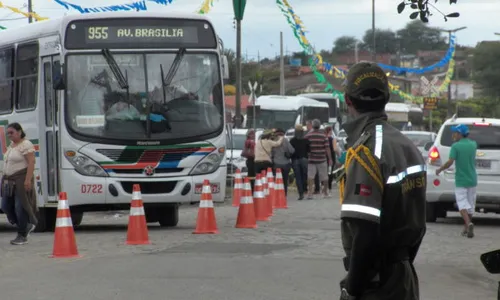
<point x="207" y="165"/>
<point x="84" y="164"/>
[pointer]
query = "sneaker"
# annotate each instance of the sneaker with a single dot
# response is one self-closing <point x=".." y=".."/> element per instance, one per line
<point x="464" y="232"/>
<point x="19" y="240"/>
<point x="30" y="228"/>
<point x="470" y="231"/>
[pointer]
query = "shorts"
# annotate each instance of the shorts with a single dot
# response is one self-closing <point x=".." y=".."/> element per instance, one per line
<point x="466" y="198"/>
<point x="321" y="169"/>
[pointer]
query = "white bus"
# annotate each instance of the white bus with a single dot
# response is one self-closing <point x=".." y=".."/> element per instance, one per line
<point x="116" y="99"/>
<point x="401" y="114"/>
<point x="286" y="111"/>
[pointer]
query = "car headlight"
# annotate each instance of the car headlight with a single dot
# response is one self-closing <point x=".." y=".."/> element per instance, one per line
<point x="209" y="164"/>
<point x="84" y="164"/>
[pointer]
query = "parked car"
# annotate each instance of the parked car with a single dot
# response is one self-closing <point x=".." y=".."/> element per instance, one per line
<point x="234" y="149"/>
<point x="441" y="189"/>
<point x="420" y="139"/>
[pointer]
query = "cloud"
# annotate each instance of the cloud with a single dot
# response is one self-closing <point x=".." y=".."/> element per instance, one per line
<point x="325" y="20"/>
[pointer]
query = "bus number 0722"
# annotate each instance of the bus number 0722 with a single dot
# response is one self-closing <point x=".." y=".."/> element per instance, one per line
<point x="97" y="33"/>
<point x="91" y="189"/>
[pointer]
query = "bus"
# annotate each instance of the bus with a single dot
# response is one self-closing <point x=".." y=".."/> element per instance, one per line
<point x="338" y="113"/>
<point x="400" y="115"/>
<point x="115" y="99"/>
<point x="285" y="112"/>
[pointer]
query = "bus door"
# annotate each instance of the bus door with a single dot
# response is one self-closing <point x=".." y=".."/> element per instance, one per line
<point x="49" y="96"/>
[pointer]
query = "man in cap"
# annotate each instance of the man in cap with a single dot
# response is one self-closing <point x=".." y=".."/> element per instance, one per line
<point x="382" y="194"/>
<point x="463" y="154"/>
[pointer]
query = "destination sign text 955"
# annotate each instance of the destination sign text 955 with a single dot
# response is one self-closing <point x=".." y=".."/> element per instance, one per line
<point x="140" y="34"/>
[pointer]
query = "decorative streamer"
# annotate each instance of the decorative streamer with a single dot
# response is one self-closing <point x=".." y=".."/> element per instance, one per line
<point x="134" y="6"/>
<point x="18" y="11"/>
<point x="2" y="28"/>
<point x="205" y="7"/>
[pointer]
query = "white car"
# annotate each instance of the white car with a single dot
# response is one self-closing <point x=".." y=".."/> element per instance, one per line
<point x="234" y="149"/>
<point x="441" y="189"/>
<point x="420" y="139"/>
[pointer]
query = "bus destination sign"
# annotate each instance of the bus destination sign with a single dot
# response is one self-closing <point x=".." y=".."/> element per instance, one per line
<point x="139" y="33"/>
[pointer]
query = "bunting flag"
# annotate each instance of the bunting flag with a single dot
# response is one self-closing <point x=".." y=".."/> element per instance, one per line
<point x="205" y="7"/>
<point x="134" y="6"/>
<point x="2" y="28"/>
<point x="18" y="11"/>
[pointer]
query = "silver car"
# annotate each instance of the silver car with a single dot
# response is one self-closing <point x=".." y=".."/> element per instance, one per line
<point x="441" y="189"/>
<point x="420" y="139"/>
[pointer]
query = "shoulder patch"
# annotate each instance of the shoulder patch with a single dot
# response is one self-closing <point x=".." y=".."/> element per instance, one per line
<point x="363" y="190"/>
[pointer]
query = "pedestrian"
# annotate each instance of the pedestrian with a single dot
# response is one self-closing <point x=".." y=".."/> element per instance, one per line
<point x="334" y="152"/>
<point x="18" y="185"/>
<point x="281" y="157"/>
<point x="319" y="157"/>
<point x="382" y="195"/>
<point x="249" y="153"/>
<point x="263" y="150"/>
<point x="302" y="148"/>
<point x="463" y="154"/>
<point x="317" y="183"/>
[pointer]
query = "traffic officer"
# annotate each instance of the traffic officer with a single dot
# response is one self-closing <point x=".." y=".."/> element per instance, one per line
<point x="382" y="195"/>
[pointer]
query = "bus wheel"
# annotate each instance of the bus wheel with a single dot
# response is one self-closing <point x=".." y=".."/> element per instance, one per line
<point x="76" y="217"/>
<point x="46" y="219"/>
<point x="168" y="216"/>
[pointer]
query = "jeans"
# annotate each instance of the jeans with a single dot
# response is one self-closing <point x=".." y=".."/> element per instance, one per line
<point x="15" y="212"/>
<point x="251" y="170"/>
<point x="285" y="171"/>
<point x="300" y="170"/>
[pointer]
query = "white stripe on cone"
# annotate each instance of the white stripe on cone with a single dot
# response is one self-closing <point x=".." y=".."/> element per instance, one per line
<point x="206" y="204"/>
<point x="137" y="211"/>
<point x="136" y="195"/>
<point x="64" y="222"/>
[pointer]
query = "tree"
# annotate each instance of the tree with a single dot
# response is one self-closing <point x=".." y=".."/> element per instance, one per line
<point x="418" y="36"/>
<point x="385" y="41"/>
<point x="486" y="63"/>
<point x="344" y="44"/>
<point x="422" y="9"/>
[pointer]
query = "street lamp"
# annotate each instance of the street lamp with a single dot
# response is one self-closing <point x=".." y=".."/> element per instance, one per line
<point x="374" y="52"/>
<point x="450" y="31"/>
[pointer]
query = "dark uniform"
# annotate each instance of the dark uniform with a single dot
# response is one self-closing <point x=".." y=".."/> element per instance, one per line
<point x="383" y="201"/>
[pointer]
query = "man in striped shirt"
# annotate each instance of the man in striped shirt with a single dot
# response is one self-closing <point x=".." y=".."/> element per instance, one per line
<point x="319" y="158"/>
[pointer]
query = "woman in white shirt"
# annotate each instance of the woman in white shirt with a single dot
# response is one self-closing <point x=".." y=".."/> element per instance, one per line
<point x="18" y="195"/>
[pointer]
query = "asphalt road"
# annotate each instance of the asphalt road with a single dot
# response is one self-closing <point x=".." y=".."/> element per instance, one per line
<point x="295" y="256"/>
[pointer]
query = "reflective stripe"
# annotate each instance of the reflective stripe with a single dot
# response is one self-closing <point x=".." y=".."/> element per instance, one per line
<point x="206" y="204"/>
<point x="63" y="204"/>
<point x="206" y="189"/>
<point x="271" y="185"/>
<point x="246" y="200"/>
<point x="64" y="222"/>
<point x="361" y="209"/>
<point x="238" y="185"/>
<point x="279" y="186"/>
<point x="136" y="195"/>
<point x="378" y="141"/>
<point x="410" y="170"/>
<point x="258" y="194"/>
<point x="137" y="211"/>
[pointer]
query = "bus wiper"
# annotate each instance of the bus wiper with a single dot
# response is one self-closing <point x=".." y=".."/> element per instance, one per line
<point x="163" y="85"/>
<point x="173" y="68"/>
<point x="117" y="72"/>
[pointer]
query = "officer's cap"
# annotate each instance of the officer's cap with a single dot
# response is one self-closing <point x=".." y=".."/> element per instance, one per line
<point x="460" y="128"/>
<point x="365" y="76"/>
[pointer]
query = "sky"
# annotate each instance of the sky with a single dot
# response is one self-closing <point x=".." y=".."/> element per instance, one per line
<point x="325" y="20"/>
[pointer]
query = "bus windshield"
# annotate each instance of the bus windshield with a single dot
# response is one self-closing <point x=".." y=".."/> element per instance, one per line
<point x="275" y="119"/>
<point x="187" y="104"/>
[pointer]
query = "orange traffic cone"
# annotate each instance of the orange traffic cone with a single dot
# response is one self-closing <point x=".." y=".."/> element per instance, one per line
<point x="64" y="236"/>
<point x="265" y="187"/>
<point x="238" y="188"/>
<point x="246" y="213"/>
<point x="137" y="233"/>
<point x="261" y="210"/>
<point x="206" y="222"/>
<point x="280" y="190"/>
<point x="272" y="188"/>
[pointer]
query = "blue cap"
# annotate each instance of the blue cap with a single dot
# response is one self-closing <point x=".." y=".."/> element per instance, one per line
<point x="460" y="128"/>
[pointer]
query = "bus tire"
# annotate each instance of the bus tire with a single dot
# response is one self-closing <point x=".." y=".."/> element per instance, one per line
<point x="76" y="217"/>
<point x="46" y="219"/>
<point x="168" y="216"/>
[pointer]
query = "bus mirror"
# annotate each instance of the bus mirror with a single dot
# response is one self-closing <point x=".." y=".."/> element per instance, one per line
<point x="225" y="68"/>
<point x="57" y="78"/>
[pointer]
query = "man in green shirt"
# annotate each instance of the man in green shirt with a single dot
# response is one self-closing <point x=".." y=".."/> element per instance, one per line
<point x="463" y="153"/>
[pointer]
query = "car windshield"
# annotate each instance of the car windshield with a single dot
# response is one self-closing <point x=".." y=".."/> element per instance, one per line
<point x="486" y="137"/>
<point x="189" y="104"/>
<point x="238" y="142"/>
<point x="419" y="139"/>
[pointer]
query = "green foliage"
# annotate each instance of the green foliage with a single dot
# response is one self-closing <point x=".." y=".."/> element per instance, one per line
<point x="423" y="9"/>
<point x="486" y="62"/>
<point x="385" y="41"/>
<point x="344" y="44"/>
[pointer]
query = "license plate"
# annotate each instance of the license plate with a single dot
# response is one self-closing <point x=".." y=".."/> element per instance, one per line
<point x="483" y="164"/>
<point x="214" y="186"/>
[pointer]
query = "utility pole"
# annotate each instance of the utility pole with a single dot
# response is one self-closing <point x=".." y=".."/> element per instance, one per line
<point x="239" y="9"/>
<point x="450" y="108"/>
<point x="30" y="11"/>
<point x="282" y="67"/>
<point x="374" y="44"/>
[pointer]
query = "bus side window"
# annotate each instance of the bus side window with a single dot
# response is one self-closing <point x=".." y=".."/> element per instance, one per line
<point x="6" y="80"/>
<point x="57" y="78"/>
<point x="26" y="75"/>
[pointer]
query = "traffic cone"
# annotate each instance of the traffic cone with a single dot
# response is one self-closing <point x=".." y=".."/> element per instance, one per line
<point x="206" y="222"/>
<point x="261" y="209"/>
<point x="265" y="187"/>
<point x="246" y="213"/>
<point x="137" y="232"/>
<point x="64" y="236"/>
<point x="272" y="188"/>
<point x="280" y="190"/>
<point x="238" y="188"/>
